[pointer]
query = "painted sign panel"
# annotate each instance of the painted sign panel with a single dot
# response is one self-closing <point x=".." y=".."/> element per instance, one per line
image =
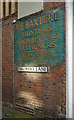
<point x="40" y="39"/>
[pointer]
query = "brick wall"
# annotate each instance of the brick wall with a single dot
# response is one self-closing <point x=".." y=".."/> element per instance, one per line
<point x="0" y="68"/>
<point x="42" y="91"/>
<point x="7" y="58"/>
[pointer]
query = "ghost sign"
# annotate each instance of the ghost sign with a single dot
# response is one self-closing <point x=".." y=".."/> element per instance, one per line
<point x="40" y="39"/>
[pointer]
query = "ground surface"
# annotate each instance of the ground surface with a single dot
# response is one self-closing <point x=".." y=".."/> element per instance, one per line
<point x="12" y="113"/>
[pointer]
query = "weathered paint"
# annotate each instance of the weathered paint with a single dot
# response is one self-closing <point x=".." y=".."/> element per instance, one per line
<point x="40" y="39"/>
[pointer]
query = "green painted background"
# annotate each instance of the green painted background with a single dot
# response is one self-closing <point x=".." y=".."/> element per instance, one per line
<point x="57" y="27"/>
